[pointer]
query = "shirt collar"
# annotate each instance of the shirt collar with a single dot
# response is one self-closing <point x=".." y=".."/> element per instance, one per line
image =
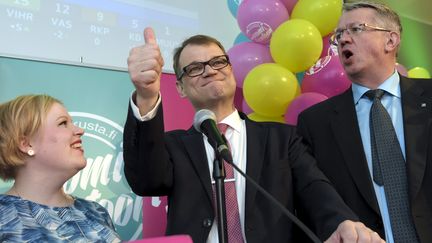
<point x="390" y="85"/>
<point x="233" y="120"/>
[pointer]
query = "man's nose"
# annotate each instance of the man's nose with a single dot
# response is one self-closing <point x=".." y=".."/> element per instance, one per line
<point x="344" y="36"/>
<point x="208" y="70"/>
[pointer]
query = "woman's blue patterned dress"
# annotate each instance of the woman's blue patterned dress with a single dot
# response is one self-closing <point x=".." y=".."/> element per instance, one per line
<point x="25" y="221"/>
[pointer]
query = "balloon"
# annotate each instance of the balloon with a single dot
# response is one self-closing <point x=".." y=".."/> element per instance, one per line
<point x="401" y="69"/>
<point x="301" y="103"/>
<point x="289" y="4"/>
<point x="241" y="38"/>
<point x="269" y="88"/>
<point x="233" y="6"/>
<point x="296" y="44"/>
<point x="327" y="77"/>
<point x="245" y="56"/>
<point x="261" y="118"/>
<point x="328" y="50"/>
<point x="324" y="14"/>
<point x="418" y="72"/>
<point x="258" y="19"/>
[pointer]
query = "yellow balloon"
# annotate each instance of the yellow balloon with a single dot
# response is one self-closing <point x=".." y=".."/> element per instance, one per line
<point x="269" y="88"/>
<point x="298" y="91"/>
<point x="324" y="14"/>
<point x="260" y="118"/>
<point x="296" y="44"/>
<point x="418" y="72"/>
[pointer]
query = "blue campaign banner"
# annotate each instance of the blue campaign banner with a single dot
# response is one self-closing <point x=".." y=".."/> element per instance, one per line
<point x="97" y="100"/>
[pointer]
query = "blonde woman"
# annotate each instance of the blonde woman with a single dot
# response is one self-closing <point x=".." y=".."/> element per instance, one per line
<point x="40" y="148"/>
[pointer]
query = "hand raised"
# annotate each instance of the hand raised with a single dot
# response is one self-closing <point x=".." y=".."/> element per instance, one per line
<point x="145" y="67"/>
<point x="349" y="231"/>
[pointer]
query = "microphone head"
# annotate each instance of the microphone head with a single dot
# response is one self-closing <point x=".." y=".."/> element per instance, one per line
<point x="201" y="116"/>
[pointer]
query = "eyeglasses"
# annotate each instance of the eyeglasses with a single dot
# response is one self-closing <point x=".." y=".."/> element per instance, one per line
<point x="353" y="29"/>
<point x="197" y="68"/>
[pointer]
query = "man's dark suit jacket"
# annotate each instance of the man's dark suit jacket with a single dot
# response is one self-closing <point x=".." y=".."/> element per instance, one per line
<point x="331" y="130"/>
<point x="175" y="164"/>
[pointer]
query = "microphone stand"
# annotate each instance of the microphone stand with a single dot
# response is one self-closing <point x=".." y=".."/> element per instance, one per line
<point x="219" y="177"/>
<point x="293" y="218"/>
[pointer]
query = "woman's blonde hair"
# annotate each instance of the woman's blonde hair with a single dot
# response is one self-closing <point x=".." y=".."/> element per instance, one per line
<point x="20" y="119"/>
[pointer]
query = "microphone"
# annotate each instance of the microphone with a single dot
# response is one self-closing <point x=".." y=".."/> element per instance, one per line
<point x="205" y="122"/>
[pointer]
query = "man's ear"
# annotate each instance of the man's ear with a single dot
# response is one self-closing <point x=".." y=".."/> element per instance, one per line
<point x="393" y="42"/>
<point x="180" y="89"/>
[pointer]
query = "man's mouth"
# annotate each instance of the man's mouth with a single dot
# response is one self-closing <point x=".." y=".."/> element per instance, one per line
<point x="347" y="54"/>
<point x="210" y="82"/>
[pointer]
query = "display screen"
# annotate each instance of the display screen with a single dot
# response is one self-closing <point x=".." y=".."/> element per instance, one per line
<point x="100" y="33"/>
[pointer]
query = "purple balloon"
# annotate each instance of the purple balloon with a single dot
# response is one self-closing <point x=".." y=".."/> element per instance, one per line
<point x="301" y="103"/>
<point x="245" y="56"/>
<point x="289" y="4"/>
<point x="327" y="77"/>
<point x="258" y="19"/>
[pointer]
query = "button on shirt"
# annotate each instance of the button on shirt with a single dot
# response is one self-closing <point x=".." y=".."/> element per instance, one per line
<point x="392" y="102"/>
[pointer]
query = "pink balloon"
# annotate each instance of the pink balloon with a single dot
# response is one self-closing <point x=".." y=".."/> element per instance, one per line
<point x="301" y="103"/>
<point x="327" y="77"/>
<point x="328" y="50"/>
<point x="289" y="4"/>
<point x="258" y="19"/>
<point x="401" y="69"/>
<point x="245" y="56"/>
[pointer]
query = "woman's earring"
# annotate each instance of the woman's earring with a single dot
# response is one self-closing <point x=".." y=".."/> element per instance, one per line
<point x="30" y="152"/>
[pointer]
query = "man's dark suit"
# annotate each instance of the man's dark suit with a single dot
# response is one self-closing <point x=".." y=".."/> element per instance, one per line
<point x="175" y="164"/>
<point x="331" y="129"/>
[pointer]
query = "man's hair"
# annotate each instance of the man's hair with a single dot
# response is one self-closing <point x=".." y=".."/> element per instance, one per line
<point x="20" y="118"/>
<point x="200" y="40"/>
<point x="383" y="14"/>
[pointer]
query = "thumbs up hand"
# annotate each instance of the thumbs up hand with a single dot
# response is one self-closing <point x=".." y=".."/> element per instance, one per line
<point x="145" y="68"/>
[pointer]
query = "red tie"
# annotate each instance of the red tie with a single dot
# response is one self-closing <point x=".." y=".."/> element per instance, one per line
<point x="233" y="217"/>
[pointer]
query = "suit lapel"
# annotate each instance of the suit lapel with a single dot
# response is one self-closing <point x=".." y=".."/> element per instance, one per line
<point x="256" y="144"/>
<point x="344" y="126"/>
<point x="417" y="116"/>
<point x="194" y="145"/>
